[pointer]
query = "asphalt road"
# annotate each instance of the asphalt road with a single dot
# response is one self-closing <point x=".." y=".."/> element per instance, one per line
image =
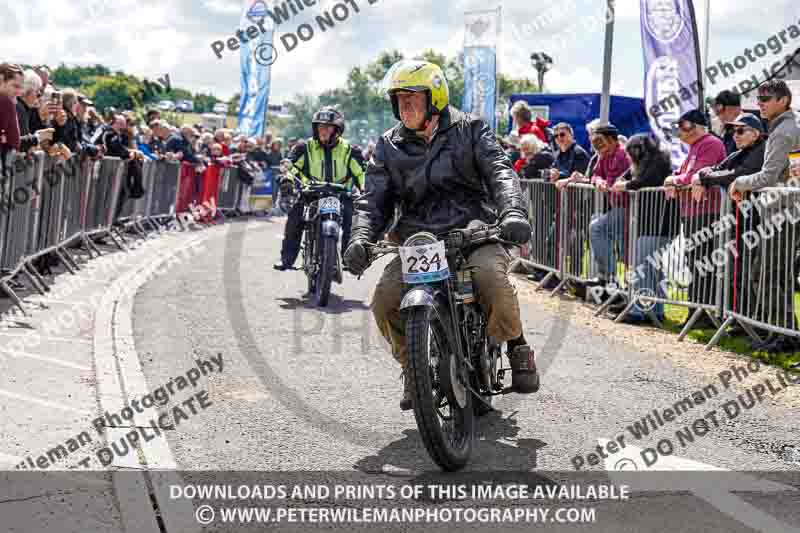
<point x="314" y="394"/>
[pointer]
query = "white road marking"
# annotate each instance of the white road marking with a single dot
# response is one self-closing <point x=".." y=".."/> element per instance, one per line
<point x="52" y="360"/>
<point x="628" y="467"/>
<point x="120" y="378"/>
<point x="629" y="458"/>
<point x="53" y="301"/>
<point x="42" y="338"/>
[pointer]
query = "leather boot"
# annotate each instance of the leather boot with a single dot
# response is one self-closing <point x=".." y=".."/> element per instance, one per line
<point x="524" y="375"/>
<point x="407" y="403"/>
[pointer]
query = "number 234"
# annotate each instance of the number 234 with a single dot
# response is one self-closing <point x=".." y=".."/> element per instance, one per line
<point x="424" y="263"/>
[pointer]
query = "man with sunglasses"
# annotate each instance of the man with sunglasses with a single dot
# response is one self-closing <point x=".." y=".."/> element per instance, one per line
<point x="705" y="150"/>
<point x="571" y="159"/>
<point x="748" y="133"/>
<point x="774" y="102"/>
<point x="607" y="231"/>
<point x="571" y="156"/>
<point x="770" y="271"/>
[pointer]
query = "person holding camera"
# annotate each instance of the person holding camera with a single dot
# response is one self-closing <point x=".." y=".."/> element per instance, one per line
<point x="31" y="127"/>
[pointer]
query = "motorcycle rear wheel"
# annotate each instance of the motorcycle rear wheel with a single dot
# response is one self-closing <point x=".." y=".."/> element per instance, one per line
<point x="447" y="429"/>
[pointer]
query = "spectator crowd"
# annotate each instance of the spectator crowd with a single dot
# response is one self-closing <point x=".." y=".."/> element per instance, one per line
<point x="36" y="115"/>
<point x="746" y="155"/>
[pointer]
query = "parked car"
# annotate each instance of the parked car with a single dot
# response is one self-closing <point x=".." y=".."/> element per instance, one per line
<point x="211" y="121"/>
<point x="221" y="108"/>
<point x="166" y="105"/>
<point x="185" y="106"/>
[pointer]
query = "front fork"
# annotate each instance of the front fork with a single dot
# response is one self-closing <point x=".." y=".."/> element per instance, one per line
<point x="330" y="228"/>
<point x="431" y="296"/>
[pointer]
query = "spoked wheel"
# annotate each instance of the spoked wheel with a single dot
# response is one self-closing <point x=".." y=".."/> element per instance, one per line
<point x="442" y="404"/>
<point x="327" y="265"/>
<point x="308" y="263"/>
<point x="494" y="358"/>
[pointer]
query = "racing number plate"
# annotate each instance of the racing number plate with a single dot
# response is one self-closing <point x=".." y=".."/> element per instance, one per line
<point x="329" y="205"/>
<point x="424" y="264"/>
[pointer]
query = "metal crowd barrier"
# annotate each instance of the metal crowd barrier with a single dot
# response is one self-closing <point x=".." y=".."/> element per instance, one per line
<point x="639" y="249"/>
<point x="49" y="205"/>
<point x="610" y="240"/>
<point x="578" y="206"/>
<point x="678" y="245"/>
<point x="161" y="199"/>
<point x="134" y="211"/>
<point x="762" y="249"/>
<point x="739" y="263"/>
<point x="73" y="191"/>
<point x="103" y="189"/>
<point x="230" y="192"/>
<point x="16" y="210"/>
<point x="544" y="207"/>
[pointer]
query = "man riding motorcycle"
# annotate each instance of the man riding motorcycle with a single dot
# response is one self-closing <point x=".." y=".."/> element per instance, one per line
<point x="443" y="169"/>
<point x="326" y="157"/>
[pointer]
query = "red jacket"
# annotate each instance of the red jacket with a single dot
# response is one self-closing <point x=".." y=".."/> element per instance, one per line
<point x="706" y="152"/>
<point x="536" y="128"/>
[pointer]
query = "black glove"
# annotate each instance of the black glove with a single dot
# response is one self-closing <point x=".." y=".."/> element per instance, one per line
<point x="355" y="258"/>
<point x="515" y="228"/>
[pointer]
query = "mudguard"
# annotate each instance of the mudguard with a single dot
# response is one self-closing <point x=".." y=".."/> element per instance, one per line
<point x="418" y="297"/>
<point x="330" y="228"/>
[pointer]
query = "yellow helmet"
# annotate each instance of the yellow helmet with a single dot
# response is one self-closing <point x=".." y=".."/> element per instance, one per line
<point x="418" y="76"/>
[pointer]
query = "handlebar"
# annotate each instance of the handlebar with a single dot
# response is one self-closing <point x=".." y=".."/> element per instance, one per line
<point x="458" y="239"/>
<point x="314" y="192"/>
<point x="314" y="189"/>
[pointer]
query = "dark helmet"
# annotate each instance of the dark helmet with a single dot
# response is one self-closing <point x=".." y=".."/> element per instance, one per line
<point x="328" y="115"/>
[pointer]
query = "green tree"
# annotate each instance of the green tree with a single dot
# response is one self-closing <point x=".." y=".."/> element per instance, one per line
<point x="301" y="111"/>
<point x="120" y="91"/>
<point x="233" y="104"/>
<point x="204" y="103"/>
<point x="64" y="76"/>
<point x="365" y="108"/>
<point x="507" y="86"/>
<point x="377" y="69"/>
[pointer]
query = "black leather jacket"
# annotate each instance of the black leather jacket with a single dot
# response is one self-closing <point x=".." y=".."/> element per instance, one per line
<point x="461" y="176"/>
<point x="742" y="163"/>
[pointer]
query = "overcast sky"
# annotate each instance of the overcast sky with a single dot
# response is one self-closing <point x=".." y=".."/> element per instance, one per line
<point x="151" y="37"/>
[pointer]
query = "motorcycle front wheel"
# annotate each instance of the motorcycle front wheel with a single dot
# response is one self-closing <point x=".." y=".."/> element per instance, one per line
<point x="327" y="266"/>
<point x="442" y="405"/>
<point x="308" y="262"/>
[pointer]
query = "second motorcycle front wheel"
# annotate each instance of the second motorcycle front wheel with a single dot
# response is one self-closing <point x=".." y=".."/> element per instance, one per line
<point x="327" y="266"/>
<point x="442" y="405"/>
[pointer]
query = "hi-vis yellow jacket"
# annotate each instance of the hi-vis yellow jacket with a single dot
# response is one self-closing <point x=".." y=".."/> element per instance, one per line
<point x="342" y="164"/>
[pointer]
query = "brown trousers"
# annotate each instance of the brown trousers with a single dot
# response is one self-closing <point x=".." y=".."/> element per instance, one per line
<point x="496" y="296"/>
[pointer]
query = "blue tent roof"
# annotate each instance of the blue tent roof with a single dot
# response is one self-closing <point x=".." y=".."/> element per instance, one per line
<point x="627" y="113"/>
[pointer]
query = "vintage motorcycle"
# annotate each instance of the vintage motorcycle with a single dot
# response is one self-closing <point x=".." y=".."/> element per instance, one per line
<point x="322" y="219"/>
<point x="454" y="369"/>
